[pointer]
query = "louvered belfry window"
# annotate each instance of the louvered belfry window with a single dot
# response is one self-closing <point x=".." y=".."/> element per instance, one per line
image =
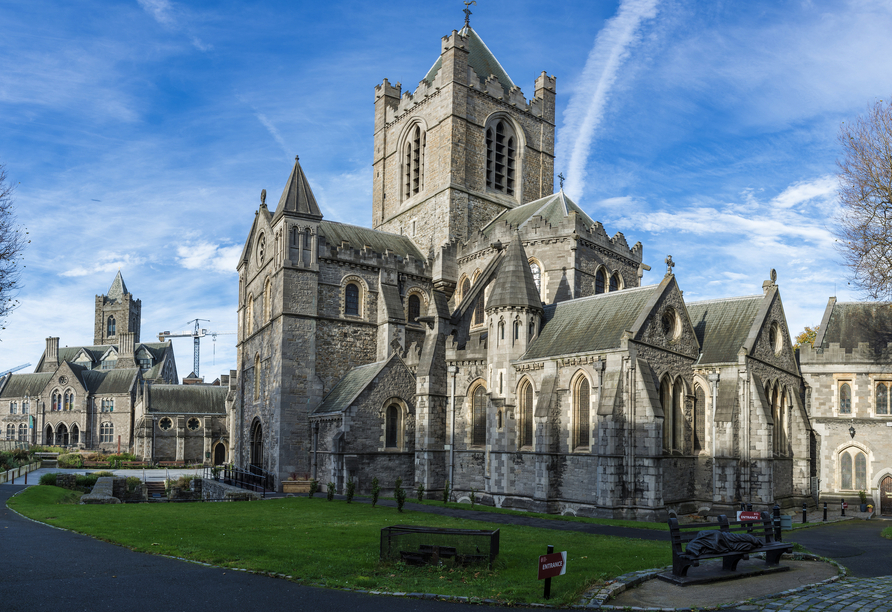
<point x="413" y="162"/>
<point x="501" y="157"/>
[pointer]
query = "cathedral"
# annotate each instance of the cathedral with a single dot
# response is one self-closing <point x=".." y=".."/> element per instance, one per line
<point x="487" y="335"/>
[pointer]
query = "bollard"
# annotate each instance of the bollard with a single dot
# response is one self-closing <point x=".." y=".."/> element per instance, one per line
<point x="825" y="511"/>
<point x="749" y="507"/>
<point x="777" y="522"/>
<point x="804" y="519"/>
<point x="842" y="506"/>
<point x="742" y="507"/>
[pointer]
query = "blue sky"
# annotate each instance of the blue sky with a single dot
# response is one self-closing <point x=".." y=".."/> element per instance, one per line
<point x="140" y="135"/>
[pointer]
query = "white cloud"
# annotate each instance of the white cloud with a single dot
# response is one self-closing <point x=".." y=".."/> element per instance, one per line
<point x="274" y="132"/>
<point x="209" y="257"/>
<point x="108" y="263"/>
<point x="799" y="193"/>
<point x="159" y="9"/>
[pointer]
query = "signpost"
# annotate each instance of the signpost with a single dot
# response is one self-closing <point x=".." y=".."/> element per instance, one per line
<point x="550" y="565"/>
<point x="748" y="516"/>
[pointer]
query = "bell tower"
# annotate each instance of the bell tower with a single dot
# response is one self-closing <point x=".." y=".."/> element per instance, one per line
<point x="117" y="313"/>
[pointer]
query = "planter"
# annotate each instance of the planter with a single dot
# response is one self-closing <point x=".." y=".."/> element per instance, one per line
<point x="296" y="486"/>
<point x="863" y="507"/>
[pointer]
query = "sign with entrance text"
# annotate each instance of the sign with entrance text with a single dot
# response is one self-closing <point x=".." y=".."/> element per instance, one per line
<point x="552" y="565"/>
<point x="748" y="516"/>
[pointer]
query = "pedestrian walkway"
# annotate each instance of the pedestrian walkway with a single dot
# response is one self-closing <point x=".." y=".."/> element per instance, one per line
<point x="849" y="594"/>
<point x="148" y="475"/>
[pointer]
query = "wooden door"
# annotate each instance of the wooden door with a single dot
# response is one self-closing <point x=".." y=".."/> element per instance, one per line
<point x="886" y="495"/>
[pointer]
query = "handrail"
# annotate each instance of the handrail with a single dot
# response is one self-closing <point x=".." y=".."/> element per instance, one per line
<point x="254" y="478"/>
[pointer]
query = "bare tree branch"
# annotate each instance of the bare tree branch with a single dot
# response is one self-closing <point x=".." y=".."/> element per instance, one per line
<point x="13" y="239"/>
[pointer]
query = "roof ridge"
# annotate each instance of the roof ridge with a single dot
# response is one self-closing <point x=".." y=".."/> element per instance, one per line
<point x="727" y="299"/>
<point x="610" y="293"/>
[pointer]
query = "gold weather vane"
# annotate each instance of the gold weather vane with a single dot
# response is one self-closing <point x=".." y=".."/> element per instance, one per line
<point x="467" y="12"/>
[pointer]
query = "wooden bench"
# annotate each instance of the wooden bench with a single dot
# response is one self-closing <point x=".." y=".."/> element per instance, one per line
<point x="681" y="535"/>
<point x="134" y="464"/>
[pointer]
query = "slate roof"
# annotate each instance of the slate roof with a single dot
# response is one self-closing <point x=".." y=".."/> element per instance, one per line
<point x="552" y="208"/>
<point x="722" y="326"/>
<point x="118" y="288"/>
<point x="358" y="237"/>
<point x="70" y="353"/>
<point x="851" y="323"/>
<point x="186" y="399"/>
<point x="514" y="284"/>
<point x="22" y="385"/>
<point x="297" y="197"/>
<point x="109" y="381"/>
<point x="590" y="323"/>
<point x="349" y="387"/>
<point x="480" y="58"/>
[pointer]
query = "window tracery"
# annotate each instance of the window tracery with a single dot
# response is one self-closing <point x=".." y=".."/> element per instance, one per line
<point x="501" y="152"/>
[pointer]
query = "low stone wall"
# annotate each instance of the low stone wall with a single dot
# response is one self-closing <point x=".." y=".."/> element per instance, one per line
<point x="12" y="475"/>
<point x="214" y="489"/>
<point x="103" y="491"/>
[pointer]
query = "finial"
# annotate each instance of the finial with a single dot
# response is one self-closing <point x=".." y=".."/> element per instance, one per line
<point x="467" y="12"/>
<point x="263" y="197"/>
<point x="296" y="157"/>
<point x="669" y="265"/>
<point x="562" y="179"/>
<point x="773" y="275"/>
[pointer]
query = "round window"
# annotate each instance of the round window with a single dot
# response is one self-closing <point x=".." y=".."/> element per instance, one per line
<point x="193" y="424"/>
<point x="165" y="424"/>
<point x="63" y="380"/>
<point x="669" y="323"/>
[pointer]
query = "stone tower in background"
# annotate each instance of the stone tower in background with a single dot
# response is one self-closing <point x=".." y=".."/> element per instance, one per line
<point x="117" y="313"/>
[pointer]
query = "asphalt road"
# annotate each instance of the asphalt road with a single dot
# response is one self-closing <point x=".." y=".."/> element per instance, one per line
<point x="855" y="544"/>
<point x="50" y="569"/>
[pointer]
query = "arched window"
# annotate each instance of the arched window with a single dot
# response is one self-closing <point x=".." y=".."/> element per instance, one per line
<point x="308" y="244"/>
<point x="48" y="437"/>
<point x="23" y="432"/>
<point x="392" y="427"/>
<point x="57" y="401"/>
<point x="532" y="329"/>
<point x="784" y="421"/>
<point x="666" y="404"/>
<point x="479" y="310"/>
<point x="501" y="151"/>
<point x="517" y="330"/>
<point x="249" y="315"/>
<point x="537" y="276"/>
<point x="614" y="282"/>
<point x="110" y="327"/>
<point x="62" y="435"/>
<point x="861" y="472"/>
<point x="414" y="308"/>
<point x="845" y="471"/>
<point x="106" y="432"/>
<point x="26" y="406"/>
<point x="845" y="399"/>
<point x="582" y="413"/>
<point x="413" y="162"/>
<point x="257" y="377"/>
<point x="526" y="414"/>
<point x="257" y="455"/>
<point x="10" y="432"/>
<point x="465" y="288"/>
<point x="882" y="399"/>
<point x="478" y="400"/>
<point x="501" y="330"/>
<point x="267" y="301"/>
<point x="678" y="416"/>
<point x="69" y="400"/>
<point x="699" y="418"/>
<point x="775" y="415"/>
<point x="13" y="408"/>
<point x="351" y="299"/>
<point x="599" y="282"/>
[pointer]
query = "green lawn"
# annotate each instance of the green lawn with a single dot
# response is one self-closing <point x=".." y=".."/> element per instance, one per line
<point x="336" y="544"/>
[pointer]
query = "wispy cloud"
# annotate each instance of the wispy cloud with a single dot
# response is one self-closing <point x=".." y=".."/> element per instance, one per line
<point x="164" y="12"/>
<point x="274" y="132"/>
<point x="208" y="256"/>
<point x="585" y="110"/>
<point x="108" y="262"/>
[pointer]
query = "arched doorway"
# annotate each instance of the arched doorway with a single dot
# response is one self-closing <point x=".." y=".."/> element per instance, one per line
<point x="886" y="495"/>
<point x="219" y="454"/>
<point x="62" y="435"/>
<point x="75" y="434"/>
<point x="48" y="436"/>
<point x="257" y="443"/>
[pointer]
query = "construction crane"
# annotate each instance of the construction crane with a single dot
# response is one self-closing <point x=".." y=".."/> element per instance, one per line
<point x="196" y="334"/>
<point x="15" y="369"/>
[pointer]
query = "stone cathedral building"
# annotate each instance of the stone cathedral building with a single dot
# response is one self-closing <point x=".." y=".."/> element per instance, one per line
<point x="489" y="333"/>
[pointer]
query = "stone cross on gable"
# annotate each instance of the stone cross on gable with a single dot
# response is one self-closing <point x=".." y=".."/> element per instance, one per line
<point x="669" y="265"/>
<point x="467" y="12"/>
<point x="561" y="179"/>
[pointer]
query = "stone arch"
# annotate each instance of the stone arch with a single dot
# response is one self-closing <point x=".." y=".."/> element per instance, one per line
<point x="526" y="401"/>
<point x="361" y="296"/>
<point x="394" y="415"/>
<point x="672" y="392"/>
<point x="602" y="279"/>
<point x="219" y="453"/>
<point x="504" y="141"/>
<point x="477" y="402"/>
<point x="411" y="148"/>
<point x="257" y="456"/>
<point x="616" y="281"/>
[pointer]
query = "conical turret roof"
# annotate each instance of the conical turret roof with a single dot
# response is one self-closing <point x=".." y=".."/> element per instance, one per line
<point x="297" y="197"/>
<point x="480" y="58"/>
<point x="118" y="289"/>
<point x="514" y="285"/>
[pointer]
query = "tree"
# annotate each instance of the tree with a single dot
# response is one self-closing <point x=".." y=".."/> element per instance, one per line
<point x="807" y="336"/>
<point x="865" y="192"/>
<point x="12" y="242"/>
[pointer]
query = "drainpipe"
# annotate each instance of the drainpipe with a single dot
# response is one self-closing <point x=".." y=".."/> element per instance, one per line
<point x="714" y="381"/>
<point x="454" y="371"/>
<point x="315" y="447"/>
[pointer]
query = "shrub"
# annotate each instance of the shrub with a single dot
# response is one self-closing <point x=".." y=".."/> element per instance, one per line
<point x="473" y="496"/>
<point x="85" y="481"/>
<point x="446" y="492"/>
<point x="399" y="494"/>
<point x="419" y="492"/>
<point x="48" y="479"/>
<point x="351" y="488"/>
<point x="314" y="486"/>
<point x="331" y="491"/>
<point x="71" y="460"/>
<point x="133" y="483"/>
<point x="863" y="496"/>
<point x="376" y="491"/>
<point x="185" y="482"/>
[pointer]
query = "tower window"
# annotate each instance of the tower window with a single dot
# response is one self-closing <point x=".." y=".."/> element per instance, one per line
<point x="599" y="282"/>
<point x="392" y="427"/>
<point x="845" y="399"/>
<point x="583" y="399"/>
<point x="537" y="276"/>
<point x="351" y="300"/>
<point x="413" y="160"/>
<point x="414" y="308"/>
<point x="500" y="157"/>
<point x="110" y="327"/>
<point x="479" y="416"/>
<point x="526" y="415"/>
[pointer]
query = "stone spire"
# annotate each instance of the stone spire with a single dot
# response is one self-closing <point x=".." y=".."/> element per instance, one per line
<point x="298" y="198"/>
<point x="514" y="285"/>
<point x="118" y="289"/>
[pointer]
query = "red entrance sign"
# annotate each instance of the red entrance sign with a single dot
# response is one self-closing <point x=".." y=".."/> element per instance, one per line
<point x="845" y="505"/>
<point x="552" y="565"/>
<point x="748" y="516"/>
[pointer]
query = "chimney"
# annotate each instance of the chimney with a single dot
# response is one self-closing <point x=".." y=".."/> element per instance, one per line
<point x="126" y="358"/>
<point x="52" y="355"/>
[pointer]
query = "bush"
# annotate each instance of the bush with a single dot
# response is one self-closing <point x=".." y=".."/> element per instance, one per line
<point x="351" y="489"/>
<point x="314" y="486"/>
<point x="399" y="494"/>
<point x="446" y="492"/>
<point x="331" y="491"/>
<point x="185" y="482"/>
<point x="862" y="496"/>
<point x="85" y="481"/>
<point x="71" y="460"/>
<point x="419" y="492"/>
<point x="48" y="479"/>
<point x="376" y="491"/>
<point x="133" y="483"/>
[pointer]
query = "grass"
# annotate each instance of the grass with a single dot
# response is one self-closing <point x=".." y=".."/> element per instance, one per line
<point x="887" y="533"/>
<point x="336" y="544"/>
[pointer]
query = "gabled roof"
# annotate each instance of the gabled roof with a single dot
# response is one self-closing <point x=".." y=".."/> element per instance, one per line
<point x="350" y="386"/>
<point x="723" y="326"/>
<point x="186" y="399"/>
<point x="298" y="198"/>
<point x="26" y="385"/>
<point x="358" y="237"/>
<point x="552" y="208"/>
<point x="480" y="58"/>
<point x="514" y="285"/>
<point x="118" y="289"/>
<point x="109" y="381"/>
<point x="590" y="323"/>
<point x="851" y="323"/>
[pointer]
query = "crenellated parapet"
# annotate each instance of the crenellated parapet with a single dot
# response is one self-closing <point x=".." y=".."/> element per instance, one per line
<point x="366" y="256"/>
<point x="833" y="353"/>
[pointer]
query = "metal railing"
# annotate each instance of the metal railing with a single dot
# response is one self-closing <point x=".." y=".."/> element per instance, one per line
<point x="255" y="478"/>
